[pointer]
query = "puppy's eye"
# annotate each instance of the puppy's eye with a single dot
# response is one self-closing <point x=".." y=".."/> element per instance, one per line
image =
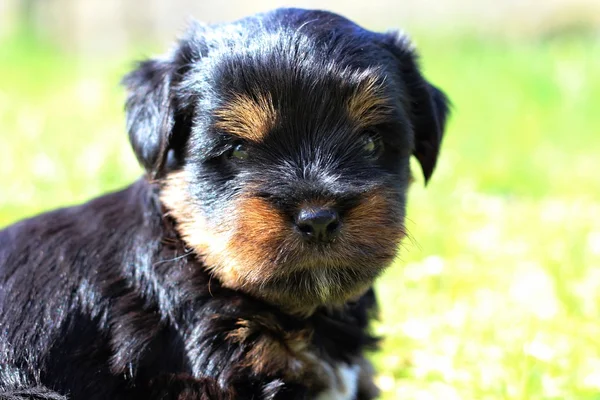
<point x="238" y="151"/>
<point x="372" y="145"/>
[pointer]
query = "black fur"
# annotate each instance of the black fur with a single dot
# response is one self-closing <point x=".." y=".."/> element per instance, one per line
<point x="106" y="301"/>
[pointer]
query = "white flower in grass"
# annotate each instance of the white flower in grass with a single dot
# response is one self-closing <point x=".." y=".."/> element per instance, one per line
<point x="43" y="166"/>
<point x="426" y="363"/>
<point x="385" y="382"/>
<point x="592" y="380"/>
<point x="540" y="350"/>
<point x="533" y="289"/>
<point x="433" y="265"/>
<point x="593" y="242"/>
<point x="416" y="329"/>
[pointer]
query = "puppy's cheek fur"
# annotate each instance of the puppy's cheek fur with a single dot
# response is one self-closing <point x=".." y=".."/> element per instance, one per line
<point x="191" y="224"/>
<point x="258" y="236"/>
<point x="242" y="249"/>
<point x="375" y="227"/>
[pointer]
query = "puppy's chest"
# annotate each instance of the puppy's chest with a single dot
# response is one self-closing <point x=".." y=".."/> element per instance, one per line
<point x="328" y="379"/>
<point x="293" y="356"/>
<point x="343" y="382"/>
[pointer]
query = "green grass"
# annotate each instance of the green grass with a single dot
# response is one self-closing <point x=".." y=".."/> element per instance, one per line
<point x="496" y="295"/>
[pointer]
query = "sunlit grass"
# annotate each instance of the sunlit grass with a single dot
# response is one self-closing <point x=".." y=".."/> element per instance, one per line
<point x="496" y="295"/>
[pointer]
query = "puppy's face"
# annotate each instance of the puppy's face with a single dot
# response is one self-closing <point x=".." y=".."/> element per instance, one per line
<point x="282" y="145"/>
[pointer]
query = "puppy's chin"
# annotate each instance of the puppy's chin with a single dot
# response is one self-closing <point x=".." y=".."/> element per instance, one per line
<point x="304" y="290"/>
<point x="300" y="288"/>
<point x="254" y="249"/>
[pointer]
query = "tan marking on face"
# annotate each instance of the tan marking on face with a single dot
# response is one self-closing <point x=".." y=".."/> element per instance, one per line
<point x="374" y="224"/>
<point x="241" y="249"/>
<point x="247" y="117"/>
<point x="191" y="224"/>
<point x="368" y="105"/>
<point x="259" y="233"/>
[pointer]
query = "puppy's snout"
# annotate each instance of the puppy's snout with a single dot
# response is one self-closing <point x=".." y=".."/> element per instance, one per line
<point x="318" y="224"/>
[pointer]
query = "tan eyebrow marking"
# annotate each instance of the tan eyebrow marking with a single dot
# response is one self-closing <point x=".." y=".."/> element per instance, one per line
<point x="249" y="118"/>
<point x="369" y="105"/>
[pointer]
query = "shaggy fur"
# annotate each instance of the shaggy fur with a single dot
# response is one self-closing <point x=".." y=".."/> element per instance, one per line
<point x="199" y="281"/>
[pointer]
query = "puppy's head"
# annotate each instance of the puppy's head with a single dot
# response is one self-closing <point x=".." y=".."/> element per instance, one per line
<point x="281" y="143"/>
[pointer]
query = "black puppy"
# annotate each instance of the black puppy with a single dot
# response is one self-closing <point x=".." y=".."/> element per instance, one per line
<point x="277" y="155"/>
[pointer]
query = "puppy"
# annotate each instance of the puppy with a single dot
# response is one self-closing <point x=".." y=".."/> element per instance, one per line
<point x="276" y="150"/>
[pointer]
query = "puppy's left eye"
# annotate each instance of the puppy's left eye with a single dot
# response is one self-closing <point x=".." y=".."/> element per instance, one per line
<point x="372" y="145"/>
<point x="238" y="151"/>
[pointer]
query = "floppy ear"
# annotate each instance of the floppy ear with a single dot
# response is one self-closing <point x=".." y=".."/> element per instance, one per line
<point x="429" y="106"/>
<point x="158" y="110"/>
<point x="429" y="120"/>
<point x="150" y="112"/>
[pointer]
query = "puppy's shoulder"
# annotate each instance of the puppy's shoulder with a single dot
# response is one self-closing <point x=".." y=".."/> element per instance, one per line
<point x="60" y="236"/>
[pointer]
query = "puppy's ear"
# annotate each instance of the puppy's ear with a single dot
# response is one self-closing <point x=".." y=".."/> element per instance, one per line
<point x="150" y="112"/>
<point x="159" y="109"/>
<point x="429" y="106"/>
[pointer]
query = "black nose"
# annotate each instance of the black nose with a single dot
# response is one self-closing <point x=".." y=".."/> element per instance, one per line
<point x="318" y="224"/>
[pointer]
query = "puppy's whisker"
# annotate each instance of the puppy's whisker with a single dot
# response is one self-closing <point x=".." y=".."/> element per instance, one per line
<point x="210" y="277"/>
<point x="172" y="259"/>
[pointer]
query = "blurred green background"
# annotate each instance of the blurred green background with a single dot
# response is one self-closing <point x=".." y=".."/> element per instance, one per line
<point x="496" y="294"/>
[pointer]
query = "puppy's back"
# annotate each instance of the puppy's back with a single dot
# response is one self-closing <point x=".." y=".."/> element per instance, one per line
<point x="55" y="272"/>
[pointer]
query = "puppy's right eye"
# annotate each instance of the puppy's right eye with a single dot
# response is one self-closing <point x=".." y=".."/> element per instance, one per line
<point x="238" y="151"/>
<point x="372" y="144"/>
